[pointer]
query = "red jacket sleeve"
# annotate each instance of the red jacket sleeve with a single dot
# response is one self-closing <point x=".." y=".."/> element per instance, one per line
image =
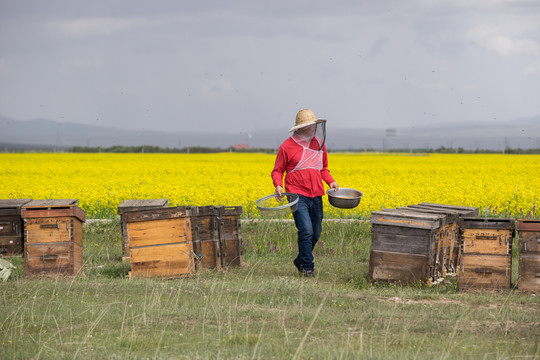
<point x="279" y="167"/>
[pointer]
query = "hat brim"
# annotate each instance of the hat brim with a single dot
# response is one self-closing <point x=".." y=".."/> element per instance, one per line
<point x="294" y="128"/>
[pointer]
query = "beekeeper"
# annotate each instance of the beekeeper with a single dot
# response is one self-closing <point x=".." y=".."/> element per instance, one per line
<point x="304" y="161"/>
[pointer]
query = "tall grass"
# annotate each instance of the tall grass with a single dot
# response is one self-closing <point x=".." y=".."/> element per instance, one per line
<point x="263" y="310"/>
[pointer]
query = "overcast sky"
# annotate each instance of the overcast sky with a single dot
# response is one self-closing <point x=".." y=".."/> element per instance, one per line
<point x="249" y="65"/>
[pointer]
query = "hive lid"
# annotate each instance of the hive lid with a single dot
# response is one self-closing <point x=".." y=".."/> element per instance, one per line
<point x="487" y="223"/>
<point x="463" y="210"/>
<point x="13" y="203"/>
<point x="453" y="215"/>
<point x="157" y="214"/>
<point x="141" y="204"/>
<point x="404" y="218"/>
<point x="528" y="225"/>
<point x="53" y="203"/>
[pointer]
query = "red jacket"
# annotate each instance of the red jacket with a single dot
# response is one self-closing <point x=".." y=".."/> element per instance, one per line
<point x="307" y="182"/>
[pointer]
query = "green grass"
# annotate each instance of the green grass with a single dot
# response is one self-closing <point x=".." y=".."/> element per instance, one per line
<point x="261" y="311"/>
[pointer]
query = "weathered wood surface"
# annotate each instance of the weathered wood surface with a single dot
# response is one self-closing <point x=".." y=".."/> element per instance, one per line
<point x="52" y="259"/>
<point x="486" y="241"/>
<point x="404" y="218"/>
<point x="463" y="210"/>
<point x="529" y="273"/>
<point x="452" y="214"/>
<point x="403" y="240"/>
<point x="157" y="214"/>
<point x="231" y="236"/>
<point x="487" y="223"/>
<point x="170" y="261"/>
<point x="11" y="207"/>
<point x="204" y="224"/>
<point x="74" y="211"/>
<point x="399" y="267"/>
<point x="11" y="245"/>
<point x="485" y="272"/>
<point x="142" y="204"/>
<point x="135" y="205"/>
<point x="529" y="237"/>
<point x="53" y="203"/>
<point x="10" y="225"/>
<point x="159" y="232"/>
<point x="49" y="230"/>
<point x="528" y="225"/>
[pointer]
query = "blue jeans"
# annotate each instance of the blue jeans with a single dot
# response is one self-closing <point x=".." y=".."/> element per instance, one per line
<point x="308" y="219"/>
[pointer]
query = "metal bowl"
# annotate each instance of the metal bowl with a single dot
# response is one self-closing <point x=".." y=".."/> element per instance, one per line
<point x="272" y="205"/>
<point x="344" y="198"/>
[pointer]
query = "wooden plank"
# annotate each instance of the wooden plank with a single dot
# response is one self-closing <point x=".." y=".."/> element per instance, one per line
<point x="158" y="232"/>
<point x="463" y="210"/>
<point x="47" y="230"/>
<point x="486" y="223"/>
<point x="205" y="236"/>
<point x="452" y="215"/>
<point x="231" y="237"/>
<point x="171" y="260"/>
<point x="157" y="214"/>
<point x="485" y="272"/>
<point x="398" y="267"/>
<point x="74" y="211"/>
<point x="142" y="204"/>
<point x="529" y="273"/>
<point x="406" y="219"/>
<point x="52" y="203"/>
<point x="77" y="231"/>
<point x="52" y="259"/>
<point x="528" y="225"/>
<point x="13" y="203"/>
<point x="403" y="240"/>
<point x="486" y="241"/>
<point x="211" y="257"/>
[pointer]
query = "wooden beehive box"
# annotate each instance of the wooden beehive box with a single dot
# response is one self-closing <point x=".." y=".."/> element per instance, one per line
<point x="529" y="255"/>
<point x="231" y="235"/>
<point x="160" y="242"/>
<point x="486" y="253"/>
<point x="53" y="241"/>
<point x="11" y="227"/>
<point x="443" y="240"/>
<point x="136" y="205"/>
<point x="462" y="211"/>
<point x="403" y="246"/>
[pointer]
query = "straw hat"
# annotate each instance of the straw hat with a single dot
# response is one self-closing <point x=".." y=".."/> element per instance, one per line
<point x="304" y="118"/>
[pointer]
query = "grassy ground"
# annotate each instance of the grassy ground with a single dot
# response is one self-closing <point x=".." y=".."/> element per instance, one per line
<point x="261" y="311"/>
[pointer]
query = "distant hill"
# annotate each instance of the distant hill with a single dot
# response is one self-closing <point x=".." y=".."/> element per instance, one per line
<point x="46" y="134"/>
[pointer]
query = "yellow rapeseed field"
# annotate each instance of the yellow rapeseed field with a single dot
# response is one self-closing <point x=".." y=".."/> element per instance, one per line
<point x="507" y="185"/>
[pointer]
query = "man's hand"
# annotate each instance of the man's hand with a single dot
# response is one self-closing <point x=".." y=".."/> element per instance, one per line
<point x="279" y="192"/>
<point x="334" y="186"/>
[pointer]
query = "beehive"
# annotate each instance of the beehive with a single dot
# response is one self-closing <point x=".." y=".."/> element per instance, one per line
<point x="403" y="246"/>
<point x="443" y="239"/>
<point x="529" y="255"/>
<point x="11" y="227"/>
<point x="486" y="253"/>
<point x="160" y="242"/>
<point x="52" y="237"/>
<point x="136" y="205"/>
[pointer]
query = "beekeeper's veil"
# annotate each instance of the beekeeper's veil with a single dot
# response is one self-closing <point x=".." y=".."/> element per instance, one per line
<point x="309" y="132"/>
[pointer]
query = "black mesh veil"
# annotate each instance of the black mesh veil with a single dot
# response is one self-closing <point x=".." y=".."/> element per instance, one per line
<point x="312" y="136"/>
